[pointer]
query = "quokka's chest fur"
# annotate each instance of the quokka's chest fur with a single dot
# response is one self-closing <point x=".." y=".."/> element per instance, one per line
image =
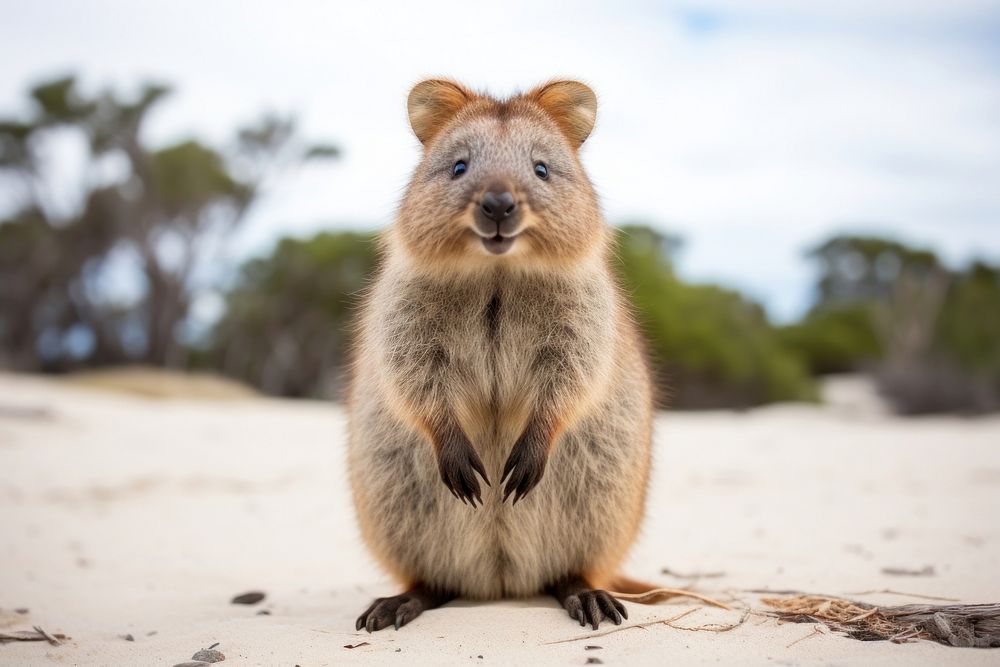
<point x="491" y="345"/>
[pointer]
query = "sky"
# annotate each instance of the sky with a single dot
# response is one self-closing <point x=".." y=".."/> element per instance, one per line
<point x="753" y="130"/>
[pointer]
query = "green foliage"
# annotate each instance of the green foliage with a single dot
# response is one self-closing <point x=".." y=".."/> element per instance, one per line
<point x="59" y="101"/>
<point x="835" y="339"/>
<point x="711" y="347"/>
<point x="969" y="324"/>
<point x="189" y="176"/>
<point x="286" y="326"/>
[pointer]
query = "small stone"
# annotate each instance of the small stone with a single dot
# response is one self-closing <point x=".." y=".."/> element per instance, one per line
<point x="264" y="612"/>
<point x="594" y="661"/>
<point x="128" y="637"/>
<point x="192" y="663"/>
<point x="208" y="655"/>
<point x="253" y="597"/>
<point x="21" y="610"/>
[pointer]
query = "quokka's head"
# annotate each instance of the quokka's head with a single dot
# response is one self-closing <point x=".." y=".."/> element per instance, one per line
<point x="500" y="181"/>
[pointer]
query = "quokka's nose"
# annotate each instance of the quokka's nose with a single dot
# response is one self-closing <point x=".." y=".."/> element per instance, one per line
<point x="498" y="206"/>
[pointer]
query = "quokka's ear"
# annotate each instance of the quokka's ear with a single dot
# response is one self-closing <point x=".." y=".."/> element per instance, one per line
<point x="431" y="103"/>
<point x="571" y="104"/>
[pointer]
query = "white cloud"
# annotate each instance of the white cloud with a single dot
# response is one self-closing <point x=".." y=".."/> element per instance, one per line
<point x="753" y="130"/>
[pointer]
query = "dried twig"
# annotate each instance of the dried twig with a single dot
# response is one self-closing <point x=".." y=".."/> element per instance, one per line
<point x="35" y="635"/>
<point x="659" y="594"/>
<point x="641" y="626"/>
<point x="713" y="627"/>
<point x="882" y="591"/>
<point x="692" y="575"/>
<point x="815" y="631"/>
<point x="889" y="591"/>
<point x="49" y="638"/>
<point x="870" y="612"/>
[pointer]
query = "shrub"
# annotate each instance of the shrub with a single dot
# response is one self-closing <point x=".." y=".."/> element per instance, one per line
<point x="710" y="347"/>
<point x="835" y="339"/>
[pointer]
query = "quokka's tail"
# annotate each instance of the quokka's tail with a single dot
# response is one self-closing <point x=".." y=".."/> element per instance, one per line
<point x="625" y="588"/>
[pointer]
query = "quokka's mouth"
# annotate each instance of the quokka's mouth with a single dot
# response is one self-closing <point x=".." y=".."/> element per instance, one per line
<point x="498" y="245"/>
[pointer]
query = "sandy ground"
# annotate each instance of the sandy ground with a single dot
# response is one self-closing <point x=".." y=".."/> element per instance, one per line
<point x="127" y="515"/>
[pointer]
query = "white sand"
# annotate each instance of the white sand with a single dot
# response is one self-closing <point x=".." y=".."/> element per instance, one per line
<point x="129" y="515"/>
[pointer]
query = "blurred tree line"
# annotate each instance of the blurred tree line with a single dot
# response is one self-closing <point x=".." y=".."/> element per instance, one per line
<point x="930" y="335"/>
<point x="101" y="266"/>
<point x="111" y="277"/>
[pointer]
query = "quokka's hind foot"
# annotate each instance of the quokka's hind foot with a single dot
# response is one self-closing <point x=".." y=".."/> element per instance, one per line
<point x="399" y="610"/>
<point x="587" y="605"/>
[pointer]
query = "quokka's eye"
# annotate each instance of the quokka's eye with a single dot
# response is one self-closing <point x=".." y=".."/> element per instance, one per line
<point x="459" y="168"/>
<point x="541" y="171"/>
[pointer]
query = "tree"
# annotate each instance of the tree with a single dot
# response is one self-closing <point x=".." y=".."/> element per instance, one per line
<point x="930" y="334"/>
<point x="862" y="268"/>
<point x="287" y="325"/>
<point x="157" y="212"/>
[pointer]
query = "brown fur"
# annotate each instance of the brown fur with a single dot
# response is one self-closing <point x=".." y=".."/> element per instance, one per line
<point x="528" y="357"/>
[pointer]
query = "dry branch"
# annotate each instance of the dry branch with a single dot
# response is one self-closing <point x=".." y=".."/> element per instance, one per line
<point x="966" y="625"/>
<point x="36" y="634"/>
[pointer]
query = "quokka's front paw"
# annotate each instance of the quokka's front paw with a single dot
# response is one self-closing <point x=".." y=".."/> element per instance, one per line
<point x="458" y="464"/>
<point x="524" y="468"/>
